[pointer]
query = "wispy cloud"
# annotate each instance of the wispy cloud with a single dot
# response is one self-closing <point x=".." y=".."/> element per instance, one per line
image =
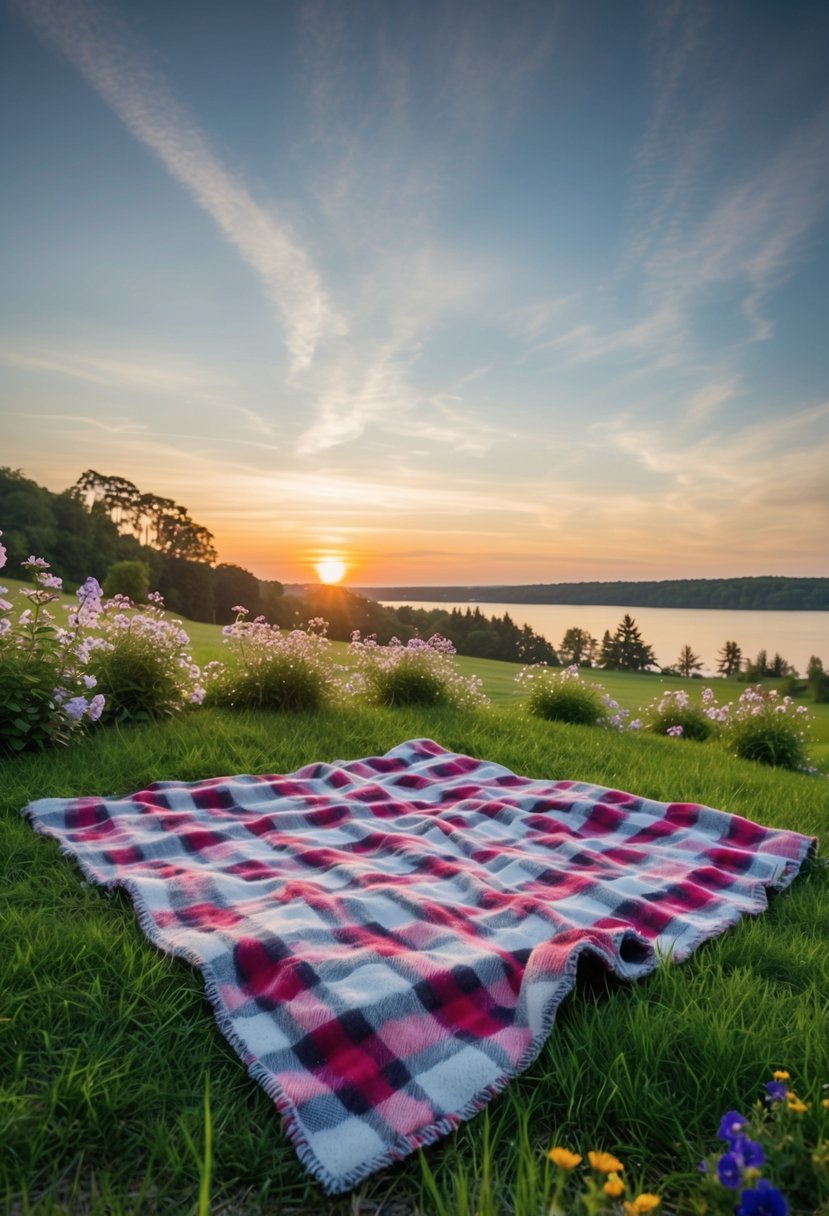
<point x="394" y="146"/>
<point x="708" y="219"/>
<point x="706" y="400"/>
<point x="756" y="230"/>
<point x="113" y="61"/>
<point x="135" y="370"/>
<point x="108" y="426"/>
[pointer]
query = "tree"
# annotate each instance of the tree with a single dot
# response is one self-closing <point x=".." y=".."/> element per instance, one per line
<point x="26" y="519"/>
<point x="578" y="647"/>
<point x="730" y="659"/>
<point x="128" y="578"/>
<point x="534" y="648"/>
<point x="608" y="653"/>
<point x="688" y="662"/>
<point x="626" y="650"/>
<point x="159" y="523"/>
<point x="234" y="587"/>
<point x="817" y="679"/>
<point x="779" y="667"/>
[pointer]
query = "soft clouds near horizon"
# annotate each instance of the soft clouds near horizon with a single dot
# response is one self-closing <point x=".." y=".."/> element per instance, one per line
<point x="461" y="294"/>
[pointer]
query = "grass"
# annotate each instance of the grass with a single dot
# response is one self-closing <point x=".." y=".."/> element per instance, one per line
<point x="118" y="1094"/>
<point x="108" y="1048"/>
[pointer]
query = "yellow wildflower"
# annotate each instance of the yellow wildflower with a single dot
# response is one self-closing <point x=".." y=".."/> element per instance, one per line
<point x="564" y="1159"/>
<point x="825" y="1103"/>
<point x="797" y="1106"/>
<point x="780" y="1074"/>
<point x="605" y="1163"/>
<point x="614" y="1187"/>
<point x="642" y="1204"/>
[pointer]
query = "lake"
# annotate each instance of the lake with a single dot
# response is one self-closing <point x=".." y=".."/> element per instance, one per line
<point x="794" y="635"/>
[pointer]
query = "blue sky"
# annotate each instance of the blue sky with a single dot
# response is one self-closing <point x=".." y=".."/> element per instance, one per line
<point x="458" y="292"/>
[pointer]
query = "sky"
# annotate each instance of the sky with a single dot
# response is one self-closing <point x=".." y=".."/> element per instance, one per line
<point x="453" y="291"/>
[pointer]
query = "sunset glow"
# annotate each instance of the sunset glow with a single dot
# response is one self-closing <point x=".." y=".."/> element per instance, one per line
<point x="330" y="569"/>
<point x="441" y="293"/>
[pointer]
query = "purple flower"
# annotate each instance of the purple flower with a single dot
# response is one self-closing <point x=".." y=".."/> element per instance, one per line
<point x="732" y="1126"/>
<point x="96" y="707"/>
<point x="776" y="1091"/>
<point x="730" y="1171"/>
<point x="762" y="1200"/>
<point x="76" y="707"/>
<point x="751" y="1153"/>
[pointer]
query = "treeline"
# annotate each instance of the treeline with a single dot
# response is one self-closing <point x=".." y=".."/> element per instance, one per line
<point x="102" y="521"/>
<point x="470" y="632"/>
<point x="766" y="594"/>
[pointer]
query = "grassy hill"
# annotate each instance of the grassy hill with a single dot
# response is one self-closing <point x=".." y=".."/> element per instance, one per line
<point x="105" y="1044"/>
<point x="633" y="690"/>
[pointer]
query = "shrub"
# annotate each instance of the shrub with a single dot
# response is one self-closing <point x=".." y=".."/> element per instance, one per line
<point x="768" y="728"/>
<point x="131" y="579"/>
<point x="269" y="669"/>
<point x="674" y="714"/>
<point x="142" y="662"/>
<point x="419" y="673"/>
<point x="561" y="696"/>
<point x="44" y="685"/>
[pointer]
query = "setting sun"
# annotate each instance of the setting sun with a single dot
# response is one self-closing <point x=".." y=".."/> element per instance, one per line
<point x="330" y="569"/>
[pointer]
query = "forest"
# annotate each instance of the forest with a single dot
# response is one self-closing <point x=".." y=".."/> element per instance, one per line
<point x="768" y="593"/>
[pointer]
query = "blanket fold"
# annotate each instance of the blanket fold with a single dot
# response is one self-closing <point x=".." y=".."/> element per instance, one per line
<point x="386" y="941"/>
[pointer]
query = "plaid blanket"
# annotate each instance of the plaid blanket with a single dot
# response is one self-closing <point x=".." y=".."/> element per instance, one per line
<point x="386" y="941"/>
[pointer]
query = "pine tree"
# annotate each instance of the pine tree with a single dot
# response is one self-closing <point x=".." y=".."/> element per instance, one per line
<point x="626" y="650"/>
<point x="730" y="659"/>
<point x="688" y="662"/>
<point x="578" y="647"/>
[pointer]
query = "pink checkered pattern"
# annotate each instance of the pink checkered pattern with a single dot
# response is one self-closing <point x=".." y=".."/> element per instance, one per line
<point x="386" y="941"/>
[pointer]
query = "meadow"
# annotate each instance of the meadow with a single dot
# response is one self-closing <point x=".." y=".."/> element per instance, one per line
<point x="119" y="1095"/>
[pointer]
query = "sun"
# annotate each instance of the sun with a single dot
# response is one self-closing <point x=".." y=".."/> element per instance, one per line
<point x="330" y="569"/>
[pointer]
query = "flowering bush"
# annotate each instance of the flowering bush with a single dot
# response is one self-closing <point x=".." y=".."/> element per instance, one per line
<point x="270" y="669"/>
<point x="602" y="1189"/>
<point x="562" y="696"/>
<point x="45" y="688"/>
<point x="764" y="726"/>
<point x="142" y="662"/>
<point x="675" y="715"/>
<point x="775" y="1140"/>
<point x="419" y="673"/>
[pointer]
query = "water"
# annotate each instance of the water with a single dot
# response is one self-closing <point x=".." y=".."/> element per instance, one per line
<point x="794" y="635"/>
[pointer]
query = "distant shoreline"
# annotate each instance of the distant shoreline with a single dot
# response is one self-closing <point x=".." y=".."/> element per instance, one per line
<point x="760" y="594"/>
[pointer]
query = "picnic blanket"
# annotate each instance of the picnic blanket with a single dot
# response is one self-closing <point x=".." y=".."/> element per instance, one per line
<point x="386" y="941"/>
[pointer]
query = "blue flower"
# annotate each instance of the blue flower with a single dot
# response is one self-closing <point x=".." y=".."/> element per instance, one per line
<point x="763" y="1200"/>
<point x="776" y="1091"/>
<point x="751" y="1153"/>
<point x="730" y="1171"/>
<point x="732" y="1126"/>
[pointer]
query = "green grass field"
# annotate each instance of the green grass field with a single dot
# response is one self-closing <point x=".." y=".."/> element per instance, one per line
<point x="106" y="1045"/>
